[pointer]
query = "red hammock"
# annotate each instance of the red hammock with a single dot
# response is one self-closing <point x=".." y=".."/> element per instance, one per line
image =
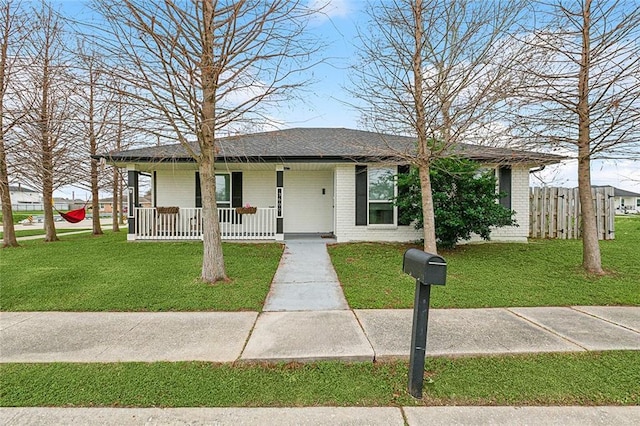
<point x="74" y="216"/>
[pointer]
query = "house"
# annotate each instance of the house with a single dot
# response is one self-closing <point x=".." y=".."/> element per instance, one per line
<point x="24" y="199"/>
<point x="625" y="201"/>
<point x="299" y="181"/>
<point x="106" y="204"/>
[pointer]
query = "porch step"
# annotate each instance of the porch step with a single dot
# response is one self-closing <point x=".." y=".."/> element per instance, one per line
<point x="305" y="279"/>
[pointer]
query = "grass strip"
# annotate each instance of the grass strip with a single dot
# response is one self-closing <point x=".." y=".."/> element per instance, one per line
<point x="541" y="273"/>
<point x="602" y="378"/>
<point x="106" y="273"/>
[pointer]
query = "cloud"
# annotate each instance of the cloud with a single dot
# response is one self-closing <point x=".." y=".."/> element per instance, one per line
<point x="331" y="8"/>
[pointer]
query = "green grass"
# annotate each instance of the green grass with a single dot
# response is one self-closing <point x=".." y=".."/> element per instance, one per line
<point x="546" y="379"/>
<point x="541" y="273"/>
<point x="106" y="273"/>
<point x="31" y="232"/>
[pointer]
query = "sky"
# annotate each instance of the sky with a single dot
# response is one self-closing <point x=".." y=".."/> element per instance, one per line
<point x="326" y="103"/>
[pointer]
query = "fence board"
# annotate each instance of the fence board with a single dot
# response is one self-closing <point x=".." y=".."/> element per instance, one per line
<point x="555" y="213"/>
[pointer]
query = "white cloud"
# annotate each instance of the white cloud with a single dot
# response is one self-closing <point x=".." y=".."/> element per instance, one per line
<point x="331" y="8"/>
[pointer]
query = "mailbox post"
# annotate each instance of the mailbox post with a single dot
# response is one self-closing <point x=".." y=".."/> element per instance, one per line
<point x="428" y="269"/>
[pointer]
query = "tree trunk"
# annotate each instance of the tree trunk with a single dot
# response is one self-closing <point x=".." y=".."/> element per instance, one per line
<point x="424" y="153"/>
<point x="8" y="230"/>
<point x="213" y="262"/>
<point x="115" y="202"/>
<point x="95" y="200"/>
<point x="591" y="260"/>
<point x="213" y="269"/>
<point x="47" y="190"/>
<point x="427" y="211"/>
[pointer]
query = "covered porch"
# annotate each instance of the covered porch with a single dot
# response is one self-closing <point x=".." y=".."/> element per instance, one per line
<point x="176" y="223"/>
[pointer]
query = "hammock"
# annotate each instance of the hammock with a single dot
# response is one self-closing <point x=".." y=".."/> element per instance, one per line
<point x="74" y="216"/>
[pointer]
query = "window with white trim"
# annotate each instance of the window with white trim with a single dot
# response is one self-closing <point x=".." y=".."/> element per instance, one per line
<point x="381" y="191"/>
<point x="223" y="190"/>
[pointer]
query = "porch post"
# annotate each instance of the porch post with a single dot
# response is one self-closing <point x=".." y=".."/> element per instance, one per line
<point x="279" y="203"/>
<point x="132" y="191"/>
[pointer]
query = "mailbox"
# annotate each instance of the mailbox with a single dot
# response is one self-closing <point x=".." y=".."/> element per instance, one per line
<point x="425" y="267"/>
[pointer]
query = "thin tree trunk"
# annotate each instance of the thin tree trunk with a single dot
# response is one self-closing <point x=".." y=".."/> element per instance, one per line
<point x="427" y="211"/>
<point x="424" y="152"/>
<point x="95" y="200"/>
<point x="115" y="202"/>
<point x="213" y="262"/>
<point x="47" y="181"/>
<point x="8" y="230"/>
<point x="213" y="269"/>
<point x="591" y="260"/>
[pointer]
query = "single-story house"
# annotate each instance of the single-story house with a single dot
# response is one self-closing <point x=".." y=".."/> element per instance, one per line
<point x="626" y="201"/>
<point x="300" y="181"/>
<point x="24" y="199"/>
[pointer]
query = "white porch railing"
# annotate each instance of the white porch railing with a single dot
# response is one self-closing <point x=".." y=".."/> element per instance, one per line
<point x="186" y="224"/>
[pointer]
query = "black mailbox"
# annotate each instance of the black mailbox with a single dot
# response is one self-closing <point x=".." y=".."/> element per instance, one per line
<point x="425" y="267"/>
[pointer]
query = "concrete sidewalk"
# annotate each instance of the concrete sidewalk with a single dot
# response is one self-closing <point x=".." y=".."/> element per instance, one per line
<point x="359" y="335"/>
<point x="305" y="279"/>
<point x="383" y="416"/>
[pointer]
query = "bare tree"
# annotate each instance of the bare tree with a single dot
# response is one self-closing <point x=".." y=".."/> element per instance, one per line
<point x="200" y="66"/>
<point x="438" y="70"/>
<point x="98" y="109"/>
<point x="13" y="28"/>
<point x="48" y="153"/>
<point x="584" y="92"/>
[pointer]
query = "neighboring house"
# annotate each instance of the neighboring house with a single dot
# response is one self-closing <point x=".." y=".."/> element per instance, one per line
<point x="106" y="204"/>
<point x="626" y="201"/>
<point x="305" y="180"/>
<point x="23" y="198"/>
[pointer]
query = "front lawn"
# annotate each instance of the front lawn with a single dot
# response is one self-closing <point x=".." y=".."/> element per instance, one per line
<point x="541" y="273"/>
<point x="106" y="273"/>
<point x="591" y="378"/>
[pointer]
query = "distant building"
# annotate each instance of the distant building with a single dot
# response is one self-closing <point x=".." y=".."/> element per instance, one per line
<point x="23" y="198"/>
<point x="626" y="201"/>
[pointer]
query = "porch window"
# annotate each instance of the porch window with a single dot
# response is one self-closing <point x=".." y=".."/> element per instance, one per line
<point x="223" y="190"/>
<point x="381" y="194"/>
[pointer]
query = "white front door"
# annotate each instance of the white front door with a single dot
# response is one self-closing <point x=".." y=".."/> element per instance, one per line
<point x="308" y="201"/>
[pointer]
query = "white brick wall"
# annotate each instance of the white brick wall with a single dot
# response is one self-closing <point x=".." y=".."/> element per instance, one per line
<point x="177" y="188"/>
<point x="346" y="229"/>
<point x="520" y="204"/>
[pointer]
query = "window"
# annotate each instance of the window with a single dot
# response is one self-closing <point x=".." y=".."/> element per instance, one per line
<point x="381" y="194"/>
<point x="637" y="202"/>
<point x="223" y="190"/>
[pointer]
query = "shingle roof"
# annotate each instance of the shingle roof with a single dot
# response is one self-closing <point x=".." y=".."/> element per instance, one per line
<point x="320" y="144"/>
<point x="16" y="188"/>
<point x="617" y="192"/>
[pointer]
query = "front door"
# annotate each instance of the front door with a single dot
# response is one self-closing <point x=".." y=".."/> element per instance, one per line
<point x="308" y="201"/>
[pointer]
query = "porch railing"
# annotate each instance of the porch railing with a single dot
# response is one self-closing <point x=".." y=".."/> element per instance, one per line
<point x="186" y="224"/>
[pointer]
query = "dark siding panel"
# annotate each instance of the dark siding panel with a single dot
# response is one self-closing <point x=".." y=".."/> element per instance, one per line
<point x="236" y="189"/>
<point x="361" y="195"/>
<point x="504" y="178"/>
<point x="198" y="191"/>
<point x="402" y="170"/>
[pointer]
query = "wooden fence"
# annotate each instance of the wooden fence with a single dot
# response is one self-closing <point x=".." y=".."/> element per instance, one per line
<point x="555" y="213"/>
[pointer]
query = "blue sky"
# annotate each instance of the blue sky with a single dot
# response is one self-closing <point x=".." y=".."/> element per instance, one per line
<point x="325" y="103"/>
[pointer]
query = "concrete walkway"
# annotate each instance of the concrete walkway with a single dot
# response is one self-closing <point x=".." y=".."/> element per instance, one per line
<point x="359" y="335"/>
<point x="305" y="279"/>
<point x="383" y="416"/>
